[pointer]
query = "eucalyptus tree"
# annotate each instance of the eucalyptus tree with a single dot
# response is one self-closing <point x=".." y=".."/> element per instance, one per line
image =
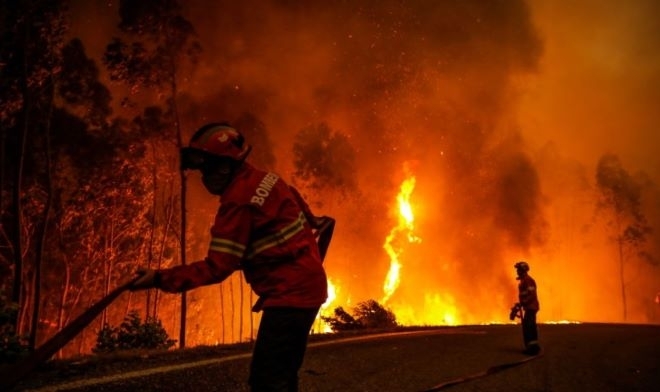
<point x="157" y="46"/>
<point x="620" y="198"/>
<point x="32" y="34"/>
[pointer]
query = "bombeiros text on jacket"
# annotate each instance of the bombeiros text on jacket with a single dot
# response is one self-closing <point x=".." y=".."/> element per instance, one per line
<point x="264" y="188"/>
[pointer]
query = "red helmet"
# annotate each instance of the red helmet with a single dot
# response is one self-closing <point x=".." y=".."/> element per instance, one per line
<point x="213" y="141"/>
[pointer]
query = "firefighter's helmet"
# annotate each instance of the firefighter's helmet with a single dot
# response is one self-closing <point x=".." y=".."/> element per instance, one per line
<point x="522" y="265"/>
<point x="212" y="142"/>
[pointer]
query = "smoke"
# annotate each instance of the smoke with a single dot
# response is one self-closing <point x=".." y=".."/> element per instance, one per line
<point x="595" y="93"/>
<point x="519" y="202"/>
<point x="597" y="86"/>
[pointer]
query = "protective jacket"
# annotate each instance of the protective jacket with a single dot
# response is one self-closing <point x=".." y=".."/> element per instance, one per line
<point x="527" y="293"/>
<point x="260" y="228"/>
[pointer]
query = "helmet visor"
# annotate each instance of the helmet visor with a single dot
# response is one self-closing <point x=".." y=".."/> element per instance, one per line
<point x="196" y="159"/>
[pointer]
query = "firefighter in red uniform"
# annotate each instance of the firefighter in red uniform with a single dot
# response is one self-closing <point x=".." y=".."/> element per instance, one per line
<point x="264" y="228"/>
<point x="528" y="301"/>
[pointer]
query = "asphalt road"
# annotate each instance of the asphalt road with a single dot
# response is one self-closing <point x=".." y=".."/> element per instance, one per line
<point x="575" y="357"/>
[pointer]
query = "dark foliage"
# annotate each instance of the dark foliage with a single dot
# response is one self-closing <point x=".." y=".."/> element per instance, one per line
<point x="12" y="346"/>
<point x="133" y="334"/>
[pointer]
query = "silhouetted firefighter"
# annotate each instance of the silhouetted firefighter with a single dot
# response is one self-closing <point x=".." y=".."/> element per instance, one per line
<point x="266" y="230"/>
<point x="526" y="308"/>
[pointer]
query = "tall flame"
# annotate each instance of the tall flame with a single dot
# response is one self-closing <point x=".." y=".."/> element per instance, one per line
<point x="404" y="228"/>
<point x="326" y="311"/>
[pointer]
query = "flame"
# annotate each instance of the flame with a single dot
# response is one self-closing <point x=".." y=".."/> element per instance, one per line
<point x="332" y="295"/>
<point x="405" y="227"/>
<point x="437" y="309"/>
<point x="326" y="310"/>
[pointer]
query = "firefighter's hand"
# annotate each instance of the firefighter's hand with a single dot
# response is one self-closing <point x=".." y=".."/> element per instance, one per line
<point x="146" y="280"/>
<point x="514" y="311"/>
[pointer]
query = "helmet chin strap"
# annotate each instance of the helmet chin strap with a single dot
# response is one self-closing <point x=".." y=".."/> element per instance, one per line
<point x="248" y="149"/>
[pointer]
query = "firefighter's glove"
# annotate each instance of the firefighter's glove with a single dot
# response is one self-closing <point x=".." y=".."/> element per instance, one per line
<point x="514" y="312"/>
<point x="146" y="280"/>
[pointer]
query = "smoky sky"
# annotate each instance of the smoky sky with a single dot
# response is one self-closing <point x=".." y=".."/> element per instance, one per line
<point x="597" y="85"/>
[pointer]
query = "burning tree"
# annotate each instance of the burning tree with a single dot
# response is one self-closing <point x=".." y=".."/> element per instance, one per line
<point x="620" y="197"/>
<point x="366" y="315"/>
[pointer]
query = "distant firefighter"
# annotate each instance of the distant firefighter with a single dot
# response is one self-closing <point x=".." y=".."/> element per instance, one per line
<point x="529" y="302"/>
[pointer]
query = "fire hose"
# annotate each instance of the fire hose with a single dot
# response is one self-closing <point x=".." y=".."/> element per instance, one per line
<point x="516" y="312"/>
<point x="487" y="372"/>
<point x="13" y="374"/>
<point x="22" y="368"/>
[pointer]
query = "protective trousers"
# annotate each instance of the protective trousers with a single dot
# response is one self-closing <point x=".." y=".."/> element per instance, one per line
<point x="530" y="332"/>
<point x="280" y="349"/>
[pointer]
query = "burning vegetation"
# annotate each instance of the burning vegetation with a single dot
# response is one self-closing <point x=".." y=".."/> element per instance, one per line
<point x="409" y="122"/>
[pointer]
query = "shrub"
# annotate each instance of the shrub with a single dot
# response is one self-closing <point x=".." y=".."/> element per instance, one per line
<point x="12" y="346"/>
<point x="366" y="315"/>
<point x="371" y="314"/>
<point x="133" y="334"/>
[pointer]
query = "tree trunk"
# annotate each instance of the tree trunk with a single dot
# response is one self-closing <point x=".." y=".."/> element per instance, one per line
<point x="184" y="301"/>
<point x="24" y="317"/>
<point x="63" y="297"/>
<point x="184" y="186"/>
<point x="152" y="233"/>
<point x="16" y="233"/>
<point x="622" y="280"/>
<point x="107" y="270"/>
<point x="169" y="215"/>
<point x="41" y="239"/>
<point x="3" y="174"/>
